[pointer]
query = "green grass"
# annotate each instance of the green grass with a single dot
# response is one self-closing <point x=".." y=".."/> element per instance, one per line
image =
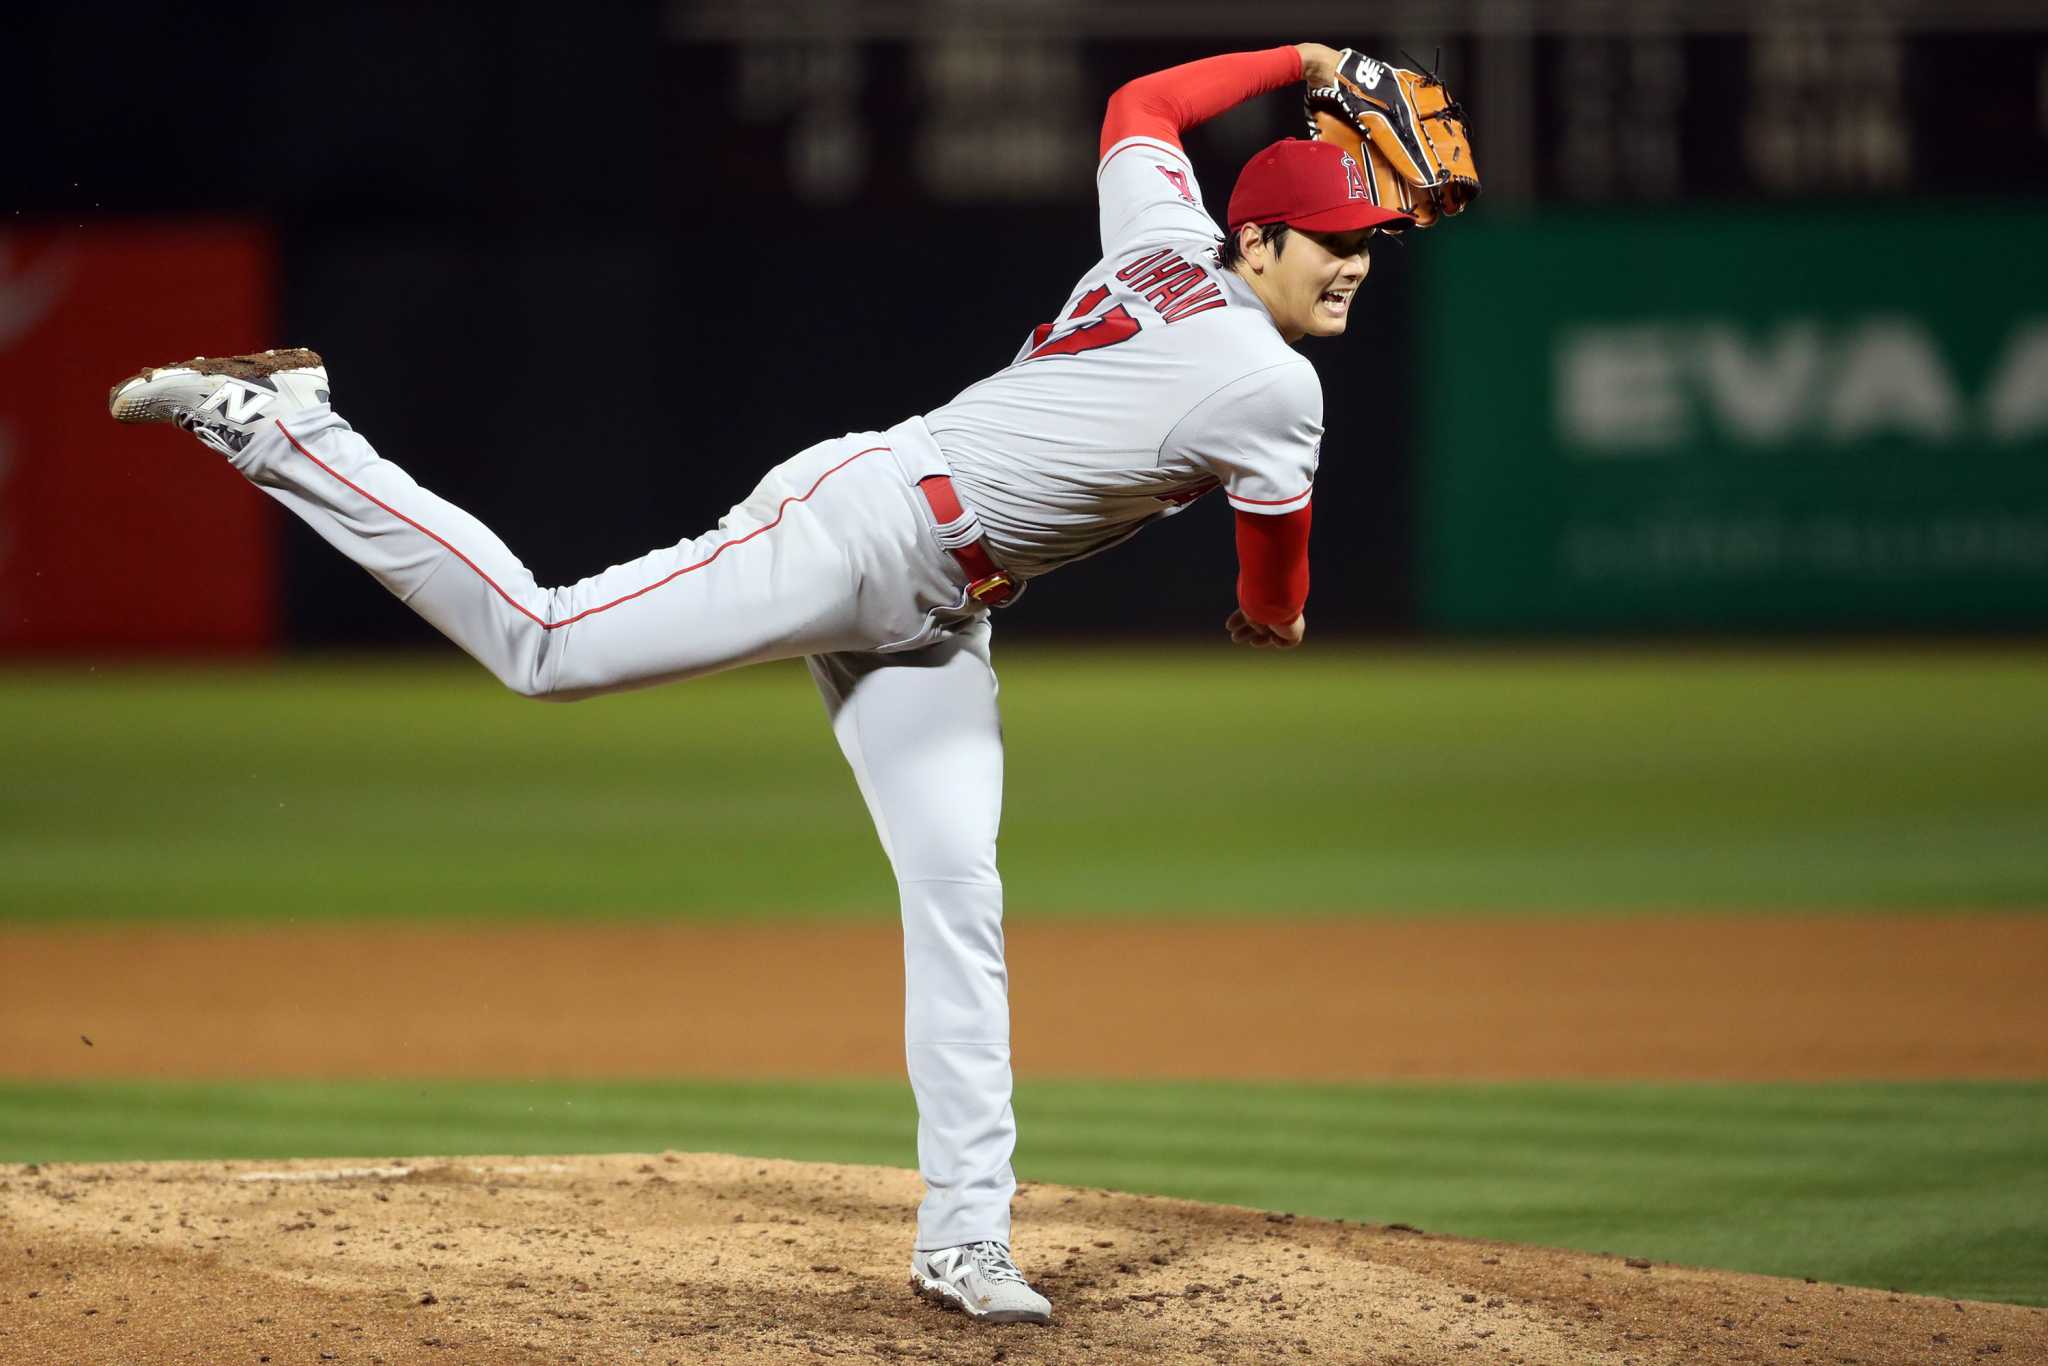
<point x="1171" y="781"/>
<point x="1933" y="1188"/>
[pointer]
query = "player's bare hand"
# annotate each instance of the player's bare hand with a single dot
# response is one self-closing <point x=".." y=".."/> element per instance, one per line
<point x="1244" y="631"/>
<point x="1318" y="63"/>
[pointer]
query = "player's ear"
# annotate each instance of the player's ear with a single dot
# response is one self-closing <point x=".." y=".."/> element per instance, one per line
<point x="1251" y="246"/>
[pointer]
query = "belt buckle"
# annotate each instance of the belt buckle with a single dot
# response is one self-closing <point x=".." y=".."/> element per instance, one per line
<point x="995" y="590"/>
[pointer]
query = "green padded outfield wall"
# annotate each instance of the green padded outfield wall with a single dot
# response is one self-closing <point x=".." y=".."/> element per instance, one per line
<point x="1735" y="420"/>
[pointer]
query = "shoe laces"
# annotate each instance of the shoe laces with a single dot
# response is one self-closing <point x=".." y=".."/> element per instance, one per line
<point x="993" y="1260"/>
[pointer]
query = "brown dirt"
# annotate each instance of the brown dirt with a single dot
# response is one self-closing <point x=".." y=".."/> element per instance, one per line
<point x="684" y="1259"/>
<point x="1699" y="997"/>
<point x="692" y="1258"/>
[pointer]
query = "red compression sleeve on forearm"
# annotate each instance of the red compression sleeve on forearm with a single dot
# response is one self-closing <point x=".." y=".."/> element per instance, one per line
<point x="1162" y="104"/>
<point x="1272" y="565"/>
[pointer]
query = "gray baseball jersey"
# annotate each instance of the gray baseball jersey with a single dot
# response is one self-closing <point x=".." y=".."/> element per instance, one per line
<point x="1162" y="377"/>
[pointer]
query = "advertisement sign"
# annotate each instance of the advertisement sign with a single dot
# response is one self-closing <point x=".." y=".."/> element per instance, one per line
<point x="1736" y="421"/>
<point x="117" y="538"/>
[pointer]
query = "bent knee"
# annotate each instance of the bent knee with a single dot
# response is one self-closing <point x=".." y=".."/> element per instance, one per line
<point x="538" y="684"/>
<point x="532" y="668"/>
<point x="536" y="691"/>
<point x="970" y="888"/>
<point x="944" y="848"/>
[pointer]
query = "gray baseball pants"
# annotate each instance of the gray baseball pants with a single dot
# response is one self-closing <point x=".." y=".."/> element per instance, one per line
<point x="833" y="557"/>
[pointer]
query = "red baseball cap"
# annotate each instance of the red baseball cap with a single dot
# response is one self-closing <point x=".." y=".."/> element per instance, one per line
<point x="1307" y="184"/>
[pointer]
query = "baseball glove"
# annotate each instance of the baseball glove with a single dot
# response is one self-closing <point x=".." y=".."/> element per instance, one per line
<point x="1407" y="132"/>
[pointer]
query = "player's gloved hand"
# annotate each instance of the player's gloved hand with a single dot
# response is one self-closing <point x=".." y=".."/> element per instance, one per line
<point x="1405" y="131"/>
<point x="1244" y="631"/>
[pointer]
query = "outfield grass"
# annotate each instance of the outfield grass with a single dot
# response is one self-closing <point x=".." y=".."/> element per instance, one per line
<point x="1937" y="1189"/>
<point x="1174" y="782"/>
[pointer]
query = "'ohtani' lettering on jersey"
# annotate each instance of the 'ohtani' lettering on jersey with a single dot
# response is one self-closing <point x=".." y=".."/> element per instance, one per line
<point x="1171" y="283"/>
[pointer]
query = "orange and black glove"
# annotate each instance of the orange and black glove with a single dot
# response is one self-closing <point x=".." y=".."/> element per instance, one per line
<point x="1407" y="132"/>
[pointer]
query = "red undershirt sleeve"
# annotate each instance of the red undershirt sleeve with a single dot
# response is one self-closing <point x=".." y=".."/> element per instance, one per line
<point x="1164" y="103"/>
<point x="1272" y="565"/>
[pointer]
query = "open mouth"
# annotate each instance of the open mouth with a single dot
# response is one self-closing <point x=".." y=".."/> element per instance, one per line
<point x="1336" y="300"/>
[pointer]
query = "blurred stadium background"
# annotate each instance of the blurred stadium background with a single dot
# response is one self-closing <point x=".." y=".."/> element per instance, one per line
<point x="1681" y="550"/>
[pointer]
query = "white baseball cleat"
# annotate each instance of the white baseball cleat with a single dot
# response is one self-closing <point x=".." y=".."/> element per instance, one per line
<point x="981" y="1280"/>
<point x="223" y="400"/>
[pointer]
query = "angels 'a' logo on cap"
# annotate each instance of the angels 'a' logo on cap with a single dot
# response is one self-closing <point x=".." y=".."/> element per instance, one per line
<point x="1354" y="178"/>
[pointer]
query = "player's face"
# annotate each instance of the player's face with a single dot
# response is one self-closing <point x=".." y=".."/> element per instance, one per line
<point x="1314" y="280"/>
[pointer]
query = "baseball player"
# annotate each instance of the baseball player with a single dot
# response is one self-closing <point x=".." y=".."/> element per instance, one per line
<point x="877" y="557"/>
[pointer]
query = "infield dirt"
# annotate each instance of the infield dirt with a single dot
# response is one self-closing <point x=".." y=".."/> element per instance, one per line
<point x="1703" y="997"/>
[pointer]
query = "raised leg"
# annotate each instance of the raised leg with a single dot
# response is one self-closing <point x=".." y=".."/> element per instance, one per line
<point x="922" y="733"/>
<point x="780" y="576"/>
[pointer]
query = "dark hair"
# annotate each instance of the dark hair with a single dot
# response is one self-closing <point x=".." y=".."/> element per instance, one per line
<point x="1229" y="253"/>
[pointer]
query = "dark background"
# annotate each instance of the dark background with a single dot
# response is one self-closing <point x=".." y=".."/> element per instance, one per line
<point x="588" y="270"/>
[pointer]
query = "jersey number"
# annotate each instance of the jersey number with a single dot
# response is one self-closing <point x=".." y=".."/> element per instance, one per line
<point x="1105" y="330"/>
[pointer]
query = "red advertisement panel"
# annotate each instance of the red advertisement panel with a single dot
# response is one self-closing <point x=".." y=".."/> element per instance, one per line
<point x="118" y="538"/>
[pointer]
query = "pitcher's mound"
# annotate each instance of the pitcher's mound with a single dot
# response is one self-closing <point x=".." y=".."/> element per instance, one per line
<point x="686" y="1258"/>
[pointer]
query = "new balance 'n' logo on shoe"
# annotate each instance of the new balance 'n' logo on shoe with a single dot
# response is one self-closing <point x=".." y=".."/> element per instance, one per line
<point x="980" y="1280"/>
<point x="240" y="400"/>
<point x="225" y="400"/>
